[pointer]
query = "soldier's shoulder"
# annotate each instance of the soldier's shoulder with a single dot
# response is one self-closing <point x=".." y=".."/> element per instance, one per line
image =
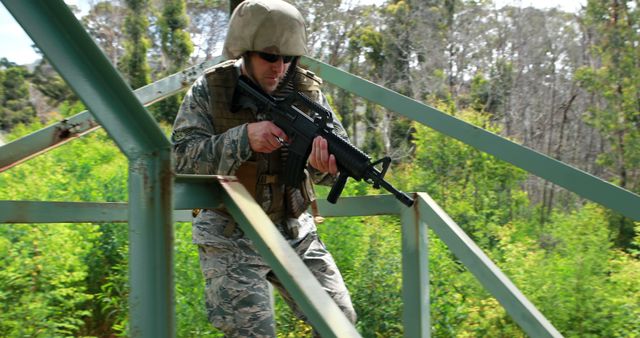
<point x="222" y="66"/>
<point x="307" y="79"/>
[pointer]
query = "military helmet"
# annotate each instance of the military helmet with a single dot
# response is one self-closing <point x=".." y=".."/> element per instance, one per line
<point x="271" y="26"/>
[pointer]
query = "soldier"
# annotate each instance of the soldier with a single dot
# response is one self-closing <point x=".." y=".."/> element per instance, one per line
<point x="219" y="131"/>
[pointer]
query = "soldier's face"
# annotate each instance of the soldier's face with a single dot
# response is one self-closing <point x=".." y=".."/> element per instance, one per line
<point x="268" y="70"/>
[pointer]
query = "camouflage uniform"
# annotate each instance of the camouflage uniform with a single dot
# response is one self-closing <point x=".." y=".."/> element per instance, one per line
<point x="237" y="295"/>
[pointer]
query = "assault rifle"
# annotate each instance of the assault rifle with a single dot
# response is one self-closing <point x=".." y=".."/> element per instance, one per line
<point x="302" y="129"/>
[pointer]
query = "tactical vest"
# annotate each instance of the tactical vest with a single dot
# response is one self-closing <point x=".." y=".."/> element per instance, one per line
<point x="262" y="171"/>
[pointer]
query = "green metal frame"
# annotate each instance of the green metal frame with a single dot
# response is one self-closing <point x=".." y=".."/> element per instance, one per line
<point x="154" y="190"/>
<point x="209" y="192"/>
<point x="52" y="26"/>
<point x="557" y="172"/>
<point x="70" y="49"/>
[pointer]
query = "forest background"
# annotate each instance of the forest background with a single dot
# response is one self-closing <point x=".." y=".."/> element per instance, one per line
<point x="565" y="84"/>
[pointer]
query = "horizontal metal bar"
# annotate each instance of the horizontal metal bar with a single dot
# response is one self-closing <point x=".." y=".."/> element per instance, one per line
<point x="521" y="310"/>
<point x="370" y="205"/>
<point x="197" y="191"/>
<point x="12" y="212"/>
<point x="189" y="193"/>
<point x="564" y="175"/>
<point x="50" y="137"/>
<point x="62" y="212"/>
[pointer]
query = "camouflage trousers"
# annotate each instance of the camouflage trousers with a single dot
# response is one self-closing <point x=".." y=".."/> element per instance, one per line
<point x="237" y="293"/>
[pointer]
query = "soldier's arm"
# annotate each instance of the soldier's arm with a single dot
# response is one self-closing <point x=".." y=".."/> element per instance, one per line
<point x="197" y="148"/>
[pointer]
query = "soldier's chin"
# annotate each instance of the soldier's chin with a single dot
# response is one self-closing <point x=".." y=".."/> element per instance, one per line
<point x="269" y="87"/>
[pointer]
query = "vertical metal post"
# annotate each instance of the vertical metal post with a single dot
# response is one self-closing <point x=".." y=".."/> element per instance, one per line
<point x="415" y="274"/>
<point x="151" y="301"/>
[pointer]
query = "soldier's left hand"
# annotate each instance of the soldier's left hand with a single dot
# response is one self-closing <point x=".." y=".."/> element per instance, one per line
<point x="320" y="157"/>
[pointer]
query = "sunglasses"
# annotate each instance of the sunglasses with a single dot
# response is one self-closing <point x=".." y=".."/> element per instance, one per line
<point x="271" y="58"/>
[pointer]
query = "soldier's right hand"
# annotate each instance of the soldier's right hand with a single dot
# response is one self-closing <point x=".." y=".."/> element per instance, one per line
<point x="265" y="137"/>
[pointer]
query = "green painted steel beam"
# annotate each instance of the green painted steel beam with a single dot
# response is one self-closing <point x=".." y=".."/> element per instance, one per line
<point x="72" y="52"/>
<point x="190" y="191"/>
<point x="204" y="191"/>
<point x="62" y="212"/>
<point x="151" y="297"/>
<point x="416" y="315"/>
<point x="197" y="191"/>
<point x="305" y="289"/>
<point x="47" y="138"/>
<point x="521" y="310"/>
<point x="370" y="205"/>
<point x="30" y="212"/>
<point x="564" y="175"/>
<point x="174" y="83"/>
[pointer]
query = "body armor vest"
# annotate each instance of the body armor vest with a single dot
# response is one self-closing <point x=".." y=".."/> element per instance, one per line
<point x="262" y="171"/>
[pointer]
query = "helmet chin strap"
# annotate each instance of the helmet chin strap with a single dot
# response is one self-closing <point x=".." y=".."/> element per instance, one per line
<point x="285" y="87"/>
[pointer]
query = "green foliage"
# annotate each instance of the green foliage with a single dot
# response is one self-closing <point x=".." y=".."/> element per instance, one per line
<point x="176" y="43"/>
<point x="51" y="84"/>
<point x="477" y="190"/>
<point x="15" y="107"/>
<point x="489" y="95"/>
<point x="42" y="279"/>
<point x="176" y="50"/>
<point x="191" y="315"/>
<point x="369" y="40"/>
<point x="572" y="275"/>
<point x="376" y="278"/>
<point x="615" y="80"/>
<point x="65" y="280"/>
<point x="72" y="279"/>
<point x="567" y="267"/>
<point x="134" y="62"/>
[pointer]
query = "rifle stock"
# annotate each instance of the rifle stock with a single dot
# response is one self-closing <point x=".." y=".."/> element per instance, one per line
<point x="302" y="129"/>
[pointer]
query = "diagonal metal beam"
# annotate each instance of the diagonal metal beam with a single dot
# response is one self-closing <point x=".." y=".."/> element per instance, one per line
<point x="564" y="175"/>
<point x="45" y="139"/>
<point x="305" y="289"/>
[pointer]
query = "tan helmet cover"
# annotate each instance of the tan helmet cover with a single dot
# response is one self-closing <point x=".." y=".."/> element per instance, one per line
<point x="271" y="26"/>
